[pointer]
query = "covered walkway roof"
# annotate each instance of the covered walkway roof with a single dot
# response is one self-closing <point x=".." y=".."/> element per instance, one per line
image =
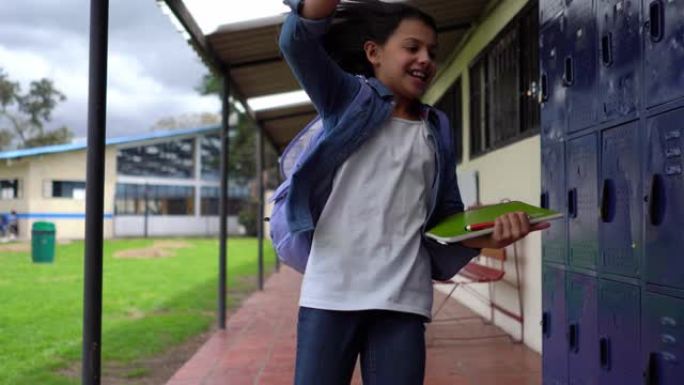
<point x="247" y="52"/>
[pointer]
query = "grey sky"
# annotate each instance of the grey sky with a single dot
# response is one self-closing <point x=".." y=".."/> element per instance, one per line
<point x="152" y="71"/>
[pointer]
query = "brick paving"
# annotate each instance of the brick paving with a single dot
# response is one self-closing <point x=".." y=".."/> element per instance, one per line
<point x="258" y="346"/>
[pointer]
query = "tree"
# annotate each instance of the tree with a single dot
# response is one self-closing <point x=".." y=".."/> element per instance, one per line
<point x="210" y="85"/>
<point x="242" y="144"/>
<point x="23" y="116"/>
<point x="242" y="156"/>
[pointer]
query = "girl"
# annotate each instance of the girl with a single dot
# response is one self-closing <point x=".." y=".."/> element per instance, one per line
<point x="381" y="172"/>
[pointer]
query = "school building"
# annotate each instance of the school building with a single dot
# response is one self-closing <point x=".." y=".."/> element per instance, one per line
<point x="162" y="183"/>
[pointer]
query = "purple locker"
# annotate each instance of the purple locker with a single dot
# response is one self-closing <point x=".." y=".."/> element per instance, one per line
<point x="579" y="65"/>
<point x="583" y="348"/>
<point x="663" y="53"/>
<point x="554" y="246"/>
<point x="619" y="57"/>
<point x="620" y="201"/>
<point x="551" y="54"/>
<point x="581" y="171"/>
<point x="555" y="358"/>
<point x="619" y="358"/>
<point x="663" y="340"/>
<point x="548" y="9"/>
<point x="664" y="189"/>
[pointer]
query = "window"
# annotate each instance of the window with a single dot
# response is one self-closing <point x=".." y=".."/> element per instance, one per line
<point x="9" y="189"/>
<point x="211" y="157"/>
<point x="65" y="189"/>
<point x="171" y="200"/>
<point x="210" y="200"/>
<point x="135" y="199"/>
<point x="451" y="103"/>
<point x="129" y="199"/>
<point x="172" y="159"/>
<point x="503" y="105"/>
<point x="238" y="194"/>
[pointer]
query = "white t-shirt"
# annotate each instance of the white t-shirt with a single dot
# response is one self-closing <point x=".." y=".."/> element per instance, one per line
<point x="366" y="251"/>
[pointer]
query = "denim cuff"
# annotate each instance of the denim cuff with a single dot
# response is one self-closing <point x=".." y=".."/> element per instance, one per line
<point x="294" y="5"/>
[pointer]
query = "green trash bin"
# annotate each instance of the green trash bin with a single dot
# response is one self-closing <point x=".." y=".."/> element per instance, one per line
<point x="43" y="242"/>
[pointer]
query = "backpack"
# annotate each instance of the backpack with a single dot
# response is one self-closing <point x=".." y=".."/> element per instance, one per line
<point x="292" y="249"/>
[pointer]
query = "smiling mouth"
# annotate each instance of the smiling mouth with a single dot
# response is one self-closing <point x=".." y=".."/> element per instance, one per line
<point x="422" y="75"/>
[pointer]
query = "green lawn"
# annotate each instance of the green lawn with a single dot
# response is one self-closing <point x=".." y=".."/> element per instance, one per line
<point x="149" y="304"/>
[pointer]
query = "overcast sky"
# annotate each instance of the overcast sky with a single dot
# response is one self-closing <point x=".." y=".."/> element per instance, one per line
<point x="152" y="70"/>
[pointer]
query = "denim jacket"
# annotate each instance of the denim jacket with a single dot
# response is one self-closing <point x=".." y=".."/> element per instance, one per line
<point x="352" y="109"/>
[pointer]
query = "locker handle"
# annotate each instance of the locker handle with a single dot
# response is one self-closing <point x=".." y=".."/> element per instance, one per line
<point x="607" y="49"/>
<point x="544" y="87"/>
<point x="572" y="203"/>
<point x="608" y="200"/>
<point x="569" y="72"/>
<point x="604" y="350"/>
<point x="546" y="324"/>
<point x="657" y="21"/>
<point x="544" y="200"/>
<point x="657" y="200"/>
<point x="573" y="337"/>
<point x="651" y="372"/>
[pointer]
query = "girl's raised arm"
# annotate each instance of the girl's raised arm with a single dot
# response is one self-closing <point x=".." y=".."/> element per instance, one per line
<point x="330" y="88"/>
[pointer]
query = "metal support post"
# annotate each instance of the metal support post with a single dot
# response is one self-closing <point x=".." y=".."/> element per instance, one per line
<point x="95" y="179"/>
<point x="223" y="200"/>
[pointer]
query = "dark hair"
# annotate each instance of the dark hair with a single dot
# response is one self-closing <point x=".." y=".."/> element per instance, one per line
<point x="358" y="21"/>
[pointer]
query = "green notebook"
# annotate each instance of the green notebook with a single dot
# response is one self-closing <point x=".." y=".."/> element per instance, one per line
<point x="453" y="228"/>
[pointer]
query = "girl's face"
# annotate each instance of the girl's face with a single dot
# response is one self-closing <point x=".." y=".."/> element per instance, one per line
<point x="406" y="62"/>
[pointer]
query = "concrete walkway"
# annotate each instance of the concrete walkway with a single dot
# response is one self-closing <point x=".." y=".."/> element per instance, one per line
<point x="258" y="346"/>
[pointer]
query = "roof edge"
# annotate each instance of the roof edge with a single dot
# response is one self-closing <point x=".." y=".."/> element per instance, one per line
<point x="80" y="145"/>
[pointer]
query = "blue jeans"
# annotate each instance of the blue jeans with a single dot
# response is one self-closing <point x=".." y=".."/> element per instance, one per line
<point x="391" y="345"/>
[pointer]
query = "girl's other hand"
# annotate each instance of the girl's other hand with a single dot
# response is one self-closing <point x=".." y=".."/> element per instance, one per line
<point x="508" y="229"/>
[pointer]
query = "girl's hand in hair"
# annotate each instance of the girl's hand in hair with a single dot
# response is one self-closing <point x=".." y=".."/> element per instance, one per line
<point x="318" y="9"/>
<point x="508" y="229"/>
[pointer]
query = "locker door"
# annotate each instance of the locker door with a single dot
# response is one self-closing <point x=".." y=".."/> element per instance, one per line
<point x="663" y="340"/>
<point x="582" y="201"/>
<point x="553" y="197"/>
<point x="619" y="57"/>
<point x="555" y="357"/>
<point x="620" y="204"/>
<point x="583" y="347"/>
<point x="548" y="9"/>
<point x="664" y="187"/>
<point x="579" y="64"/>
<point x="551" y="55"/>
<point x="618" y="344"/>
<point x="664" y="56"/>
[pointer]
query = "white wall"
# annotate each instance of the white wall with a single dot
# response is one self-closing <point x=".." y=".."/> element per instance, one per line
<point x="513" y="172"/>
<point x="34" y="172"/>
<point x="159" y="226"/>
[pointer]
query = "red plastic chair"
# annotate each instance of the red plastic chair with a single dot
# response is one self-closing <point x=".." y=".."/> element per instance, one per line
<point x="488" y="268"/>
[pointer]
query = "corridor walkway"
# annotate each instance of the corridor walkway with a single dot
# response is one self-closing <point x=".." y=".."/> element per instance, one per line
<point x="258" y="346"/>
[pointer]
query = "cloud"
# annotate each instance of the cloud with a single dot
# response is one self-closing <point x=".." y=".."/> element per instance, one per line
<point x="152" y="71"/>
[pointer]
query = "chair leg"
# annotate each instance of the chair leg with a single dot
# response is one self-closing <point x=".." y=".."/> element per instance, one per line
<point x="521" y="308"/>
<point x="490" y="288"/>
<point x="444" y="301"/>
